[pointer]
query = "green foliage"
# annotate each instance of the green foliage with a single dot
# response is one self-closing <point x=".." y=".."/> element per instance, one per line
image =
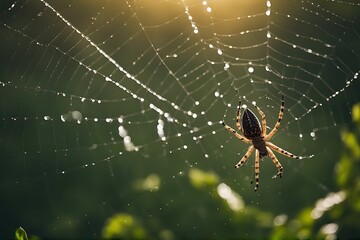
<point x="220" y="212"/>
<point x="123" y="226"/>
<point x="347" y="214"/>
<point x="20" y="234"/>
<point x="337" y="214"/>
<point x="150" y="183"/>
<point x="356" y="113"/>
<point x="200" y="179"/>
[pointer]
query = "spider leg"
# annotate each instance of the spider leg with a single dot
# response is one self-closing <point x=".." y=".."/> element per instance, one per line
<point x="263" y="121"/>
<point x="276" y="162"/>
<point x="277" y="125"/>
<point x="281" y="151"/>
<point x="238" y="125"/>
<point x="257" y="167"/>
<point x="245" y="157"/>
<point x="242" y="138"/>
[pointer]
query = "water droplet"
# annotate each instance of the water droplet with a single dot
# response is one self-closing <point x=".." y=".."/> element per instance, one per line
<point x="251" y="69"/>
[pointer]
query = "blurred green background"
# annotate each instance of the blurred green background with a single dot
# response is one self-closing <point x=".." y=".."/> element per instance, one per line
<point x="63" y="179"/>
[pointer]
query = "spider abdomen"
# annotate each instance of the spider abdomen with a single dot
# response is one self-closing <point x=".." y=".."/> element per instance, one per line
<point x="250" y="125"/>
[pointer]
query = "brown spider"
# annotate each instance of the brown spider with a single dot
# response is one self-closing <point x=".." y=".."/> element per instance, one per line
<point x="256" y="136"/>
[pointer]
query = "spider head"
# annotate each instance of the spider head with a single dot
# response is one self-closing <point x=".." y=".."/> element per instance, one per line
<point x="250" y="125"/>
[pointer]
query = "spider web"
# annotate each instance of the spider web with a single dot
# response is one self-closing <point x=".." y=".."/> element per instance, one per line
<point x="96" y="94"/>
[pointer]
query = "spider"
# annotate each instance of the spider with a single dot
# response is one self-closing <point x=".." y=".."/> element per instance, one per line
<point x="255" y="135"/>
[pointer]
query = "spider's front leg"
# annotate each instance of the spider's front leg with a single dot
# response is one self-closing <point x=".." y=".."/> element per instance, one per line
<point x="230" y="129"/>
<point x="263" y="121"/>
<point x="277" y="125"/>
<point x="238" y="113"/>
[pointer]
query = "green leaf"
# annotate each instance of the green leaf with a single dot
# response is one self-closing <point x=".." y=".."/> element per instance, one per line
<point x="123" y="226"/>
<point x="356" y="113"/>
<point x="20" y="234"/>
<point x="344" y="169"/>
<point x="351" y="142"/>
<point x="200" y="179"/>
